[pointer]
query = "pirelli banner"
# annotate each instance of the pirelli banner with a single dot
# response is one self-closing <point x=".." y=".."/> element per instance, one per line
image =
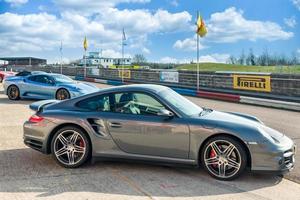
<point x="251" y="82"/>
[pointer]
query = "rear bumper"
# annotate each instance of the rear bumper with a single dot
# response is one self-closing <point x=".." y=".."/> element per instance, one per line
<point x="35" y="136"/>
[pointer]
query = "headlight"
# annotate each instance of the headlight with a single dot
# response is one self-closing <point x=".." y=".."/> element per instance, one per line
<point x="267" y="136"/>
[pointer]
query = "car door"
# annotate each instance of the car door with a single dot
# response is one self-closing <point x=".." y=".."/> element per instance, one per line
<point x="137" y="129"/>
<point x="40" y="86"/>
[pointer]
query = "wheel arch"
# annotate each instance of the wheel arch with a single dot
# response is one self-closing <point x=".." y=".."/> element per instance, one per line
<point x="52" y="133"/>
<point x="249" y="158"/>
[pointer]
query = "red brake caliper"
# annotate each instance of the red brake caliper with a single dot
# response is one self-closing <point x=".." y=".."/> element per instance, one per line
<point x="81" y="143"/>
<point x="212" y="154"/>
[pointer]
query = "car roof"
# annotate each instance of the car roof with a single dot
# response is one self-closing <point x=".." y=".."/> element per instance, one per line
<point x="135" y="87"/>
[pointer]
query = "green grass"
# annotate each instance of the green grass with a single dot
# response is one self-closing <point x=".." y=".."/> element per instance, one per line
<point x="240" y="68"/>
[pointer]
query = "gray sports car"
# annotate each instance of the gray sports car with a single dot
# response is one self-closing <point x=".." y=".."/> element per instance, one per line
<point x="154" y="123"/>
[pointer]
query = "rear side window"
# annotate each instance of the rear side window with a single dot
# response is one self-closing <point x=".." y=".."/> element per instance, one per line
<point x="98" y="103"/>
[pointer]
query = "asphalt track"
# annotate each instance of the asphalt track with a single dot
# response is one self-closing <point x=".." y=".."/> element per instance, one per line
<point x="27" y="174"/>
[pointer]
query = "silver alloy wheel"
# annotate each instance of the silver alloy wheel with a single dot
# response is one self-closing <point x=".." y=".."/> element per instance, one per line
<point x="69" y="147"/>
<point x="222" y="158"/>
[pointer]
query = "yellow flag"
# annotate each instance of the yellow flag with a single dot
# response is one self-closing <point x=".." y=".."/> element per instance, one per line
<point x="85" y="44"/>
<point x="201" y="27"/>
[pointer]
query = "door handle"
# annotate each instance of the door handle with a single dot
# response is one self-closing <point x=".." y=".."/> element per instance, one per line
<point x="115" y="124"/>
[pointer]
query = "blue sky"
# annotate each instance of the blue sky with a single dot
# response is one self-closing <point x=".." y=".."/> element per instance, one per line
<point x="162" y="30"/>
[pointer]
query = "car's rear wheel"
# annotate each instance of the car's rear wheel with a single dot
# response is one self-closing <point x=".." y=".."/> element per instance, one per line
<point x="224" y="158"/>
<point x="13" y="92"/>
<point x="62" y="94"/>
<point x="70" y="147"/>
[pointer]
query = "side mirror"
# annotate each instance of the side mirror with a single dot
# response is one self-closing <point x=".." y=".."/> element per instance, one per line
<point x="165" y="113"/>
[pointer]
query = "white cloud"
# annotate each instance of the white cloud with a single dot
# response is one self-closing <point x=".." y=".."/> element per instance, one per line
<point x="168" y="59"/>
<point x="291" y="22"/>
<point x="102" y="27"/>
<point x="296" y="3"/>
<point x="231" y="26"/>
<point x="110" y="53"/>
<point x="146" y="50"/>
<point x="15" y="3"/>
<point x="214" y="58"/>
<point x="298" y="51"/>
<point x="188" y="44"/>
<point x="143" y="21"/>
<point x="89" y="7"/>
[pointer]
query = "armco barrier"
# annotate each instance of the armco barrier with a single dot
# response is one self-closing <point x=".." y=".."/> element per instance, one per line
<point x="220" y="96"/>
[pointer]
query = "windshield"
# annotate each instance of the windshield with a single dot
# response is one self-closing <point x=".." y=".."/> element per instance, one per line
<point x="62" y="79"/>
<point x="180" y="102"/>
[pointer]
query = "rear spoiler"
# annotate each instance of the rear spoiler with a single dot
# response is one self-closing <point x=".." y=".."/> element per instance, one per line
<point x="38" y="106"/>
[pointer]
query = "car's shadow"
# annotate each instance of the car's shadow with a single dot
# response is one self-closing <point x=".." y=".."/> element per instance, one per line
<point x="28" y="171"/>
<point x="5" y="100"/>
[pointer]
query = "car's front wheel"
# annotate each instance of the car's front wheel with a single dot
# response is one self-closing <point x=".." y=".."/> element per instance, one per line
<point x="70" y="147"/>
<point x="13" y="92"/>
<point x="224" y="158"/>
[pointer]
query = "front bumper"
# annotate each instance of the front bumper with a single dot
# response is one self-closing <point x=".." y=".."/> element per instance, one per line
<point x="273" y="158"/>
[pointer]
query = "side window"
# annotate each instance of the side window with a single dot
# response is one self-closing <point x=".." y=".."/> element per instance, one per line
<point x="136" y="103"/>
<point x="97" y="103"/>
<point x="42" y="79"/>
<point x="32" y="78"/>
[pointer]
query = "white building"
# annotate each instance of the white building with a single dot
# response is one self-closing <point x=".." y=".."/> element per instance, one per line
<point x="95" y="59"/>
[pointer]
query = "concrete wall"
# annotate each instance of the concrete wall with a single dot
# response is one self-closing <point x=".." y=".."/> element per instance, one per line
<point x="284" y="85"/>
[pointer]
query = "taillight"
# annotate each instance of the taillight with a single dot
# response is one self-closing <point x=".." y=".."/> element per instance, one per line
<point x="35" y="119"/>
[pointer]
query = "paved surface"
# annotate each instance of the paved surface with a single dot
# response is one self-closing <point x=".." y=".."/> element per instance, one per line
<point x="27" y="174"/>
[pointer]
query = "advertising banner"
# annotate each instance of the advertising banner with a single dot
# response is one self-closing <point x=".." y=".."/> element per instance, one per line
<point x="253" y="83"/>
<point x="167" y="76"/>
<point x="124" y="73"/>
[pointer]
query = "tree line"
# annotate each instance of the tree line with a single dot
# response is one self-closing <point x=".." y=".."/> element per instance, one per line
<point x="265" y="59"/>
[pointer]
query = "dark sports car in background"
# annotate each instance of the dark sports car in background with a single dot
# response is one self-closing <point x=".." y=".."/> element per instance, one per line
<point x="41" y="85"/>
<point x="156" y="124"/>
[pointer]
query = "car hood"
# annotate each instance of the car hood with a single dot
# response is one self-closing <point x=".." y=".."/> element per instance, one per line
<point x="80" y="87"/>
<point x="240" y="119"/>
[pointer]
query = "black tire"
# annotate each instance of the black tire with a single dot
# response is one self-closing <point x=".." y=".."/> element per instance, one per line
<point x="1" y="79"/>
<point x="64" y="158"/>
<point x="210" y="165"/>
<point x="62" y="94"/>
<point x="13" y="92"/>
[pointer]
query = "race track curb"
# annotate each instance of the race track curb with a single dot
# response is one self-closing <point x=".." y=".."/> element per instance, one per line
<point x="216" y="95"/>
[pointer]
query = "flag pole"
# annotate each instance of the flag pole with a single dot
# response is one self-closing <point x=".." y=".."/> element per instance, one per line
<point x="122" y="59"/>
<point x="197" y="57"/>
<point x="85" y="63"/>
<point x="122" y="62"/>
<point x="60" y="57"/>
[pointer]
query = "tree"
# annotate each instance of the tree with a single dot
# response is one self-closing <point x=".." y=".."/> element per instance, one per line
<point x="251" y="60"/>
<point x="139" y="59"/>
<point x="232" y="60"/>
<point x="242" y="59"/>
